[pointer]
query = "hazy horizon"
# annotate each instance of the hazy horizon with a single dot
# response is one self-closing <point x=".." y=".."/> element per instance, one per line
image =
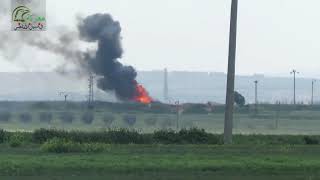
<point x="279" y="75"/>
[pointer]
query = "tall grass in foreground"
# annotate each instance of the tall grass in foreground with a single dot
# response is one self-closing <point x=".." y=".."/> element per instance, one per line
<point x="57" y="145"/>
<point x="126" y="136"/>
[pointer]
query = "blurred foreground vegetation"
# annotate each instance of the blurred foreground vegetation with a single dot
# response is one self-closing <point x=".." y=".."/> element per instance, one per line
<point x="165" y="154"/>
<point x="131" y="161"/>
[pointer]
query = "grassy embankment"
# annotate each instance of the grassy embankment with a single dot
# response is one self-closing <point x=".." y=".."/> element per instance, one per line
<point x="252" y="157"/>
<point x="165" y="162"/>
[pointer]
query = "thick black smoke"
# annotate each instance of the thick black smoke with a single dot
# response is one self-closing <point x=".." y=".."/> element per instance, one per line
<point x="100" y="28"/>
<point x="115" y="76"/>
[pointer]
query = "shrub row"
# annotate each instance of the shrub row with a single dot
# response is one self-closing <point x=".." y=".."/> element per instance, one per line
<point x="191" y="136"/>
<point x="57" y="145"/>
<point x="2" y="136"/>
<point x="276" y="139"/>
<point x="15" y="139"/>
<point x="120" y="136"/>
<point x="125" y="136"/>
<point x="184" y="136"/>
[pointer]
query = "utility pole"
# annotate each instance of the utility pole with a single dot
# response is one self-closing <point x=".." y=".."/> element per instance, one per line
<point x="277" y="115"/>
<point x="65" y="95"/>
<point x="294" y="72"/>
<point x="177" y="103"/>
<point x="90" y="95"/>
<point x="228" y="121"/>
<point x="256" y="96"/>
<point x="313" y="81"/>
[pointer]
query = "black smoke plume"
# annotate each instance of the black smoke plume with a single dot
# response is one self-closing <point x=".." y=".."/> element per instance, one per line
<point x="101" y="28"/>
<point x="103" y="62"/>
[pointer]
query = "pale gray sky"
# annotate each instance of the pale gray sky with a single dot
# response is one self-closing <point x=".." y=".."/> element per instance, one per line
<point x="274" y="35"/>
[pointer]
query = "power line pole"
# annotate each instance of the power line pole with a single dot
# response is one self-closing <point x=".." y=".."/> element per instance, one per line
<point x="177" y="103"/>
<point x="294" y="72"/>
<point x="65" y="95"/>
<point x="277" y="114"/>
<point x="313" y="81"/>
<point x="228" y="121"/>
<point x="90" y="95"/>
<point x="256" y="96"/>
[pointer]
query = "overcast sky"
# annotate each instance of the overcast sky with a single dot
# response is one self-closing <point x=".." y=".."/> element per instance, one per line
<point x="274" y="36"/>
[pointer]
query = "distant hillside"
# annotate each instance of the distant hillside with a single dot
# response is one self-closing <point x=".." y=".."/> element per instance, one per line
<point x="183" y="86"/>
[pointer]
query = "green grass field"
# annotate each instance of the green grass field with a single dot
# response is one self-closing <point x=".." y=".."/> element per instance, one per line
<point x="164" y="162"/>
<point x="251" y="157"/>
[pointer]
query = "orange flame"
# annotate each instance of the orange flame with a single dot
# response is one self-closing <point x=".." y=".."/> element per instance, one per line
<point x="142" y="95"/>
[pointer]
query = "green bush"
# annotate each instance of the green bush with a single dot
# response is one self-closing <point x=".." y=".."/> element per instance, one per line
<point x="94" y="147"/>
<point x="5" y="116"/>
<point x="239" y="99"/>
<point x="57" y="145"/>
<point x="310" y="140"/>
<point x="120" y="136"/>
<point x="25" y="117"/>
<point x="16" y="140"/>
<point x="166" y="137"/>
<point x="67" y="117"/>
<point x="87" y="117"/>
<point x="2" y="136"/>
<point x="125" y="136"/>
<point x="43" y="135"/>
<point x="256" y="139"/>
<point x="45" y="117"/>
<point x="108" y="119"/>
<point x="193" y="136"/>
<point x="186" y="136"/>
